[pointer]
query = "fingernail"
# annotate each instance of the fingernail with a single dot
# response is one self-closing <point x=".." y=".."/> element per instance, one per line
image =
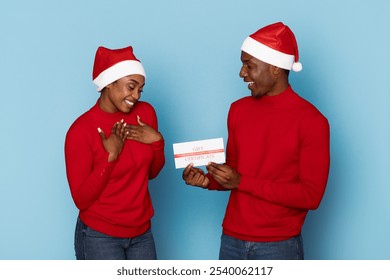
<point x="99" y="130"/>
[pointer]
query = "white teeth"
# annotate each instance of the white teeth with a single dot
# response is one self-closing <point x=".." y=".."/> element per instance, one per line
<point x="250" y="83"/>
<point x="129" y="102"/>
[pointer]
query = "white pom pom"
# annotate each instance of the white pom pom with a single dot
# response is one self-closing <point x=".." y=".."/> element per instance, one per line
<point x="297" y="66"/>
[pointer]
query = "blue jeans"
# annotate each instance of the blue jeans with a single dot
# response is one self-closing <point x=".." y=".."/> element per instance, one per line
<point x="236" y="249"/>
<point x="93" y="245"/>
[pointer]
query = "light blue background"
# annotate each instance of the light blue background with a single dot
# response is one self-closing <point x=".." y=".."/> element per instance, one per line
<point x="191" y="52"/>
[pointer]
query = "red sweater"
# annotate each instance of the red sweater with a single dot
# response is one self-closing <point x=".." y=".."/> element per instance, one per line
<point x="280" y="146"/>
<point x="112" y="197"/>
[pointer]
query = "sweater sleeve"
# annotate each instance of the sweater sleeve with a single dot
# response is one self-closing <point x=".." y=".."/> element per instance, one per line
<point x="158" y="159"/>
<point x="308" y="190"/>
<point x="86" y="181"/>
<point x="157" y="147"/>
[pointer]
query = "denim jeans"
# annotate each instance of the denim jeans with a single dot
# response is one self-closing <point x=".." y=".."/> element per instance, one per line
<point x="93" y="245"/>
<point x="236" y="249"/>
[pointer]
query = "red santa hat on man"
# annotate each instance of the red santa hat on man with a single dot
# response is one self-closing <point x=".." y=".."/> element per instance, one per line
<point x="111" y="65"/>
<point x="274" y="44"/>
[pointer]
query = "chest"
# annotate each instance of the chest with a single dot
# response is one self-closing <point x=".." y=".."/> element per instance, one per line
<point x="134" y="157"/>
<point x="273" y="133"/>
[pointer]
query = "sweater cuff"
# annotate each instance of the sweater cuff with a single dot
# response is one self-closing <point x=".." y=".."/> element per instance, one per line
<point x="214" y="185"/>
<point x="106" y="169"/>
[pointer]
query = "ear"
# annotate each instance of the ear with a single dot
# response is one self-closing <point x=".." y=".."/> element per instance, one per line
<point x="275" y="70"/>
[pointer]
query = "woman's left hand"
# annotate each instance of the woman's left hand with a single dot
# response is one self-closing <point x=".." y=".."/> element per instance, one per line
<point x="142" y="133"/>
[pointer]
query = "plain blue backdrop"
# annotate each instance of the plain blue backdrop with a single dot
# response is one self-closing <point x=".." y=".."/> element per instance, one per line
<point x="191" y="53"/>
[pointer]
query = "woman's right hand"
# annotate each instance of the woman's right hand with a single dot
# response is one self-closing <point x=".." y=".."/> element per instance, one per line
<point x="114" y="143"/>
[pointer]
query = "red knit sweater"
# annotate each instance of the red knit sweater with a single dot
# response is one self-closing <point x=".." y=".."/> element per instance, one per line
<point x="112" y="197"/>
<point x="280" y="146"/>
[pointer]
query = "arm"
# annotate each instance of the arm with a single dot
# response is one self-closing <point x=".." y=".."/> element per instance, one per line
<point x="87" y="181"/>
<point x="308" y="190"/>
<point x="148" y="134"/>
<point x="158" y="158"/>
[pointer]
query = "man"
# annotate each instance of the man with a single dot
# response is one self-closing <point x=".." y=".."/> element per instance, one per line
<point x="277" y="157"/>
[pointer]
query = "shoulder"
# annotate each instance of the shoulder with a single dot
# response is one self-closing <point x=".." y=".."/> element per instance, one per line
<point x="305" y="106"/>
<point x="146" y="112"/>
<point x="144" y="109"/>
<point x="242" y="103"/>
<point x="80" y="125"/>
<point x="311" y="117"/>
<point x="144" y="106"/>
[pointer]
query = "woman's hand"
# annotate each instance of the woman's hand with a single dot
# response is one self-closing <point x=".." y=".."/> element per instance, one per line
<point x="142" y="133"/>
<point x="114" y="143"/>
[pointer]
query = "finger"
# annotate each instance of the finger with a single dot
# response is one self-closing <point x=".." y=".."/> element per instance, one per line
<point x="101" y="133"/>
<point x="206" y="182"/>
<point x="132" y="129"/>
<point x="123" y="126"/>
<point x="201" y="180"/>
<point x="187" y="170"/>
<point x="211" y="168"/>
<point x="124" y="132"/>
<point x="119" y="127"/>
<point x="114" y="128"/>
<point x="216" y="166"/>
<point x="140" y="122"/>
<point x="220" y="179"/>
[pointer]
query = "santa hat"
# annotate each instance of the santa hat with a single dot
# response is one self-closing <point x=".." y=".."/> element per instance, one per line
<point x="274" y="44"/>
<point x="111" y="65"/>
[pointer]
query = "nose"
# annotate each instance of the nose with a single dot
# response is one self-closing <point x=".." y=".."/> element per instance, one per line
<point x="243" y="73"/>
<point x="136" y="95"/>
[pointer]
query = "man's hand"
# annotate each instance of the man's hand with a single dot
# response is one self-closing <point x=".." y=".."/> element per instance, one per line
<point x="195" y="176"/>
<point x="228" y="177"/>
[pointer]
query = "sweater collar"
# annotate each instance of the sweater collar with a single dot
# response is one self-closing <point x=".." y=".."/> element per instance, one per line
<point x="105" y="116"/>
<point x="281" y="99"/>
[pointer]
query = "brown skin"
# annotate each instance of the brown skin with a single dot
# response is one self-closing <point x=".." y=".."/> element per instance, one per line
<point x="265" y="80"/>
<point x="121" y="95"/>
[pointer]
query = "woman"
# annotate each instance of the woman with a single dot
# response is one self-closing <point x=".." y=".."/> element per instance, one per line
<point x="111" y="152"/>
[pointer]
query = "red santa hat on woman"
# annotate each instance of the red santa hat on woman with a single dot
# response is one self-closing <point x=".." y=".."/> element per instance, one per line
<point x="274" y="44"/>
<point x="111" y="65"/>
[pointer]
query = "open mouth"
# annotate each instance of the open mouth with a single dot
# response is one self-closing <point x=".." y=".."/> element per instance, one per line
<point x="128" y="102"/>
<point x="250" y="84"/>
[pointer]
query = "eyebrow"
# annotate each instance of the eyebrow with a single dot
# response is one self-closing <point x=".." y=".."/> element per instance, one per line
<point x="247" y="61"/>
<point x="135" y="81"/>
